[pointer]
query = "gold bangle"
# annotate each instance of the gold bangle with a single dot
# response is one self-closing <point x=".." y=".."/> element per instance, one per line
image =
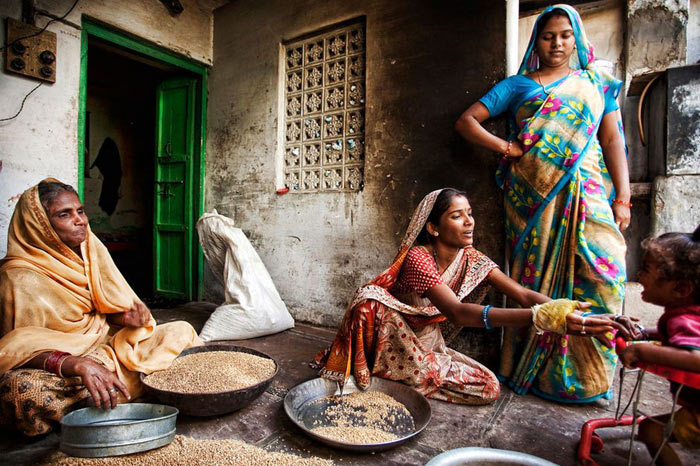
<point x="60" y="365"/>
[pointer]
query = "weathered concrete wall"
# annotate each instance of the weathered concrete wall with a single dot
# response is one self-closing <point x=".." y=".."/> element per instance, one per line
<point x="42" y="140"/>
<point x="656" y="32"/>
<point x="676" y="204"/>
<point x="677" y="196"/>
<point x="683" y="137"/>
<point x="657" y="38"/>
<point x="426" y="62"/>
<point x="693" y="54"/>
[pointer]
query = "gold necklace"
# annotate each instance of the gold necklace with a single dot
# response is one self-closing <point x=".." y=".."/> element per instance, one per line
<point x="539" y="79"/>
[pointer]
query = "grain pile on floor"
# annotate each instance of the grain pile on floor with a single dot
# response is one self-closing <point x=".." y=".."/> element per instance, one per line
<point x="188" y="451"/>
<point x="362" y="418"/>
<point x="213" y="371"/>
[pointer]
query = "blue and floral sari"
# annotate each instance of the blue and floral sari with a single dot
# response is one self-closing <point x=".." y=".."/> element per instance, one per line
<point x="560" y="229"/>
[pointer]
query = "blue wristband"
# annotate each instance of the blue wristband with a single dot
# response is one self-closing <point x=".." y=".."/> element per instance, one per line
<point x="485" y="316"/>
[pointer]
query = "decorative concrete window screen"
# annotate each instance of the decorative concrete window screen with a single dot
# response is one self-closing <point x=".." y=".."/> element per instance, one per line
<point x="324" y="143"/>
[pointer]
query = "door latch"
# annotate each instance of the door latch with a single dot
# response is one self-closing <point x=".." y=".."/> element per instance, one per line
<point x="167" y="152"/>
<point x="165" y="192"/>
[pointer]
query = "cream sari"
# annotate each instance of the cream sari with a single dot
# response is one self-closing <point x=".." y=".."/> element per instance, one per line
<point x="51" y="299"/>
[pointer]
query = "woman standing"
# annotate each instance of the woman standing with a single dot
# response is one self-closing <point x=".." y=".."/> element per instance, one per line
<point x="564" y="172"/>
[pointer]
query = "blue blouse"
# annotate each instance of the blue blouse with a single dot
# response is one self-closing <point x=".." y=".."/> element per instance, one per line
<point x="510" y="93"/>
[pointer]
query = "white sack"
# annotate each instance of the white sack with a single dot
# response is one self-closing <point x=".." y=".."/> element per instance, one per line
<point x="253" y="307"/>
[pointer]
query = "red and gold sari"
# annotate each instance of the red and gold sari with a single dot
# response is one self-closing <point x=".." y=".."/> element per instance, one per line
<point x="401" y="337"/>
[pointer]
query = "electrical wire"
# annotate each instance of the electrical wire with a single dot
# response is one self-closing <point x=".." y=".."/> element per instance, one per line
<point x="42" y="29"/>
<point x="22" y="105"/>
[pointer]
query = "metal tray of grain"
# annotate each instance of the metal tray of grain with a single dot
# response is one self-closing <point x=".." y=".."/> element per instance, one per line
<point x="306" y="412"/>
<point x="213" y="403"/>
<point x="128" y="428"/>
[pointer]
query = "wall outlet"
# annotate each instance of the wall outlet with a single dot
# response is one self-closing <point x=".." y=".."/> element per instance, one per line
<point x="33" y="56"/>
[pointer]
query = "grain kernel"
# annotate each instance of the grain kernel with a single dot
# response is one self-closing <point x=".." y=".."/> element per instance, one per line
<point x="212" y="372"/>
<point x="187" y="451"/>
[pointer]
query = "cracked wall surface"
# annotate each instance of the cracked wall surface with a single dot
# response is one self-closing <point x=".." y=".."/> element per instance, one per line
<point x="43" y="140"/>
<point x="656" y="35"/>
<point x="426" y="62"/>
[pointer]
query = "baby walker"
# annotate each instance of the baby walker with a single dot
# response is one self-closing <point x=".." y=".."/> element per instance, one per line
<point x="591" y="442"/>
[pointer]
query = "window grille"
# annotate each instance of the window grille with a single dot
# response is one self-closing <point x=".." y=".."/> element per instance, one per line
<point x="324" y="143"/>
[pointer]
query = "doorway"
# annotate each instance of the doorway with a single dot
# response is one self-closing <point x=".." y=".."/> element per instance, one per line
<point x="141" y="158"/>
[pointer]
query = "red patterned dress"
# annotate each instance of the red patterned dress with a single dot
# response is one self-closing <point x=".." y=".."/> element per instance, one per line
<point x="391" y="330"/>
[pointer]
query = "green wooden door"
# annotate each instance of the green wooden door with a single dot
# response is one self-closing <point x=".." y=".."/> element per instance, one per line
<point x="173" y="186"/>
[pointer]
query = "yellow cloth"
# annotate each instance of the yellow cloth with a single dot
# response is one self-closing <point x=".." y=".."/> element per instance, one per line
<point x="551" y="316"/>
<point x="51" y="299"/>
<point x="687" y="426"/>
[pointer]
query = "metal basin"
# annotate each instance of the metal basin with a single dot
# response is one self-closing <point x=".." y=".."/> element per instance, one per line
<point x="486" y="456"/>
<point x="217" y="403"/>
<point x="307" y="415"/>
<point x="128" y="428"/>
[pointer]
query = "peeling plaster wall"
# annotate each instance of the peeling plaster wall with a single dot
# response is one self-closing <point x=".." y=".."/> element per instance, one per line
<point x="676" y="196"/>
<point x="426" y="62"/>
<point x="42" y="140"/>
<point x="658" y="32"/>
<point x="683" y="149"/>
<point x="694" y="32"/>
<point x="656" y="35"/>
<point x="676" y="204"/>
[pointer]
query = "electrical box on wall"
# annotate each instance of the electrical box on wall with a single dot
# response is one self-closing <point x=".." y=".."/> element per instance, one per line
<point x="28" y="54"/>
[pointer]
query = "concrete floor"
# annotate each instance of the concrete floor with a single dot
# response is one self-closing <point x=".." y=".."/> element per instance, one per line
<point x="522" y="423"/>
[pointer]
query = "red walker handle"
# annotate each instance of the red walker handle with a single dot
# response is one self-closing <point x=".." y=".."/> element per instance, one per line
<point x="691" y="379"/>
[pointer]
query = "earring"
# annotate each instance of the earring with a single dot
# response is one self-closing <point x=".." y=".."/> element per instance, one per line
<point x="534" y="61"/>
<point x="436" y="234"/>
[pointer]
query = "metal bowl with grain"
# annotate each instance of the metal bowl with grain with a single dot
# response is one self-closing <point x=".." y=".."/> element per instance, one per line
<point x="212" y="403"/>
<point x="306" y="403"/>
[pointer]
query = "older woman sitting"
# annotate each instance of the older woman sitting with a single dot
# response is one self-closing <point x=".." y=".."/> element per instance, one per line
<point x="71" y="326"/>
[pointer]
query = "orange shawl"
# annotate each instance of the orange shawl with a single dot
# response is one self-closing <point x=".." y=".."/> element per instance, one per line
<point x="53" y="300"/>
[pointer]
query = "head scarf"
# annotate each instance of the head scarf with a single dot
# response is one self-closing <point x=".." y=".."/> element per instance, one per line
<point x="93" y="279"/>
<point x="584" y="57"/>
<point x="387" y="278"/>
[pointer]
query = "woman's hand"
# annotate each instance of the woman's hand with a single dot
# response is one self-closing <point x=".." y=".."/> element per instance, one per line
<point x="626" y="325"/>
<point x="599" y="324"/>
<point x="516" y="151"/>
<point x="593" y="325"/>
<point x="622" y="215"/>
<point x="104" y="386"/>
<point x="138" y="316"/>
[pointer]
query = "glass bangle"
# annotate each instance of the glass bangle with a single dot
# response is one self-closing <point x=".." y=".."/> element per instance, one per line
<point x="485" y="316"/>
<point x="621" y="202"/>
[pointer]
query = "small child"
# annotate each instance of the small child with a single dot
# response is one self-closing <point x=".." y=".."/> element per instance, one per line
<point x="671" y="278"/>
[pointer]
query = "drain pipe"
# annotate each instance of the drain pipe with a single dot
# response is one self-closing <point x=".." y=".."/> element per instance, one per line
<point x="512" y="16"/>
